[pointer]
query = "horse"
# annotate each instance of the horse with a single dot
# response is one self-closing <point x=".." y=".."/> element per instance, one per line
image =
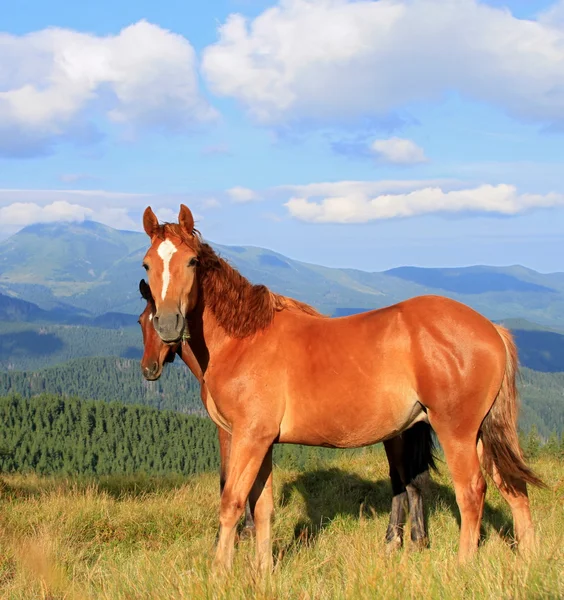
<point x="276" y="371"/>
<point x="410" y="454"/>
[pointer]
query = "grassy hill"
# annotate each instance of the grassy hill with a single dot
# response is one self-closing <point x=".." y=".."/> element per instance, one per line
<point x="118" y="538"/>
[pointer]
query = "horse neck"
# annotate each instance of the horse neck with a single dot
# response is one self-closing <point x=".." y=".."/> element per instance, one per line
<point x="189" y="358"/>
<point x="207" y="339"/>
<point x="229" y="310"/>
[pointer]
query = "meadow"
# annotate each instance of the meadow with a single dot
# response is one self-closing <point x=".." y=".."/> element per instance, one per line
<point x="126" y="537"/>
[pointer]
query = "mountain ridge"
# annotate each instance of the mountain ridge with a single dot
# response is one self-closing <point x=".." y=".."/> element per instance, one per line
<point x="95" y="269"/>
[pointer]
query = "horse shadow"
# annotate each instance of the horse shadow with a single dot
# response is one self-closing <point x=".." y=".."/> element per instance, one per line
<point x="331" y="493"/>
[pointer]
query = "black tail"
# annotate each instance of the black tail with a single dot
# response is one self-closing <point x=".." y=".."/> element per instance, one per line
<point x="419" y="450"/>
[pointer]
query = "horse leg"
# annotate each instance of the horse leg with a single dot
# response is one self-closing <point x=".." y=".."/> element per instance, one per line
<point x="469" y="486"/>
<point x="419" y="537"/>
<point x="394" y="533"/>
<point x="262" y="506"/>
<point x="246" y="457"/>
<point x="224" y="447"/>
<point x="417" y="460"/>
<point x="518" y="501"/>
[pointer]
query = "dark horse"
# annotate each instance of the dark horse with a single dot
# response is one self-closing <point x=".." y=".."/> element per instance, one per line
<point x="274" y="370"/>
<point x="410" y="454"/>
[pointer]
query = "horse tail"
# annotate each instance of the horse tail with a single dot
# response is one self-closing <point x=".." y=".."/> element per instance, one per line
<point x="499" y="427"/>
<point x="419" y="449"/>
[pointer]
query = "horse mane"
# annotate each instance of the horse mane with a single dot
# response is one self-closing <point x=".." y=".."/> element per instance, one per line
<point x="240" y="307"/>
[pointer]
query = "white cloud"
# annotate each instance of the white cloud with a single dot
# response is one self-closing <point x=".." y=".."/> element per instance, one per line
<point x="398" y="151"/>
<point x="143" y="77"/>
<point x="26" y="213"/>
<point x="365" y="188"/>
<point x="330" y="60"/>
<point x="242" y="194"/>
<point x="120" y="210"/>
<point x="19" y="214"/>
<point x="356" y="205"/>
<point x="208" y="203"/>
<point x="554" y="15"/>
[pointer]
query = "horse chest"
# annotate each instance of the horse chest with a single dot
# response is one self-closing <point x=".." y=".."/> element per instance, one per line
<point x="213" y="411"/>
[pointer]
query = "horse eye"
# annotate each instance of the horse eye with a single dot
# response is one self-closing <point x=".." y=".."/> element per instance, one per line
<point x="146" y="266"/>
<point x="193" y="262"/>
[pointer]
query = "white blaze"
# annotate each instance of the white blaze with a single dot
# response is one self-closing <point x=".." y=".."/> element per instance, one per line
<point x="165" y="251"/>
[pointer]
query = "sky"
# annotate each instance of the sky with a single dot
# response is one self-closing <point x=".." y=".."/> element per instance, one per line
<point x="348" y="133"/>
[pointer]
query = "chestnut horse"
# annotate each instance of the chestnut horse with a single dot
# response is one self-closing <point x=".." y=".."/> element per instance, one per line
<point x="410" y="454"/>
<point x="276" y="371"/>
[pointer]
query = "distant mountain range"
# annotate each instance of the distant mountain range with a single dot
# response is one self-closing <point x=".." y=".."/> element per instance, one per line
<point x="14" y="310"/>
<point x="83" y="270"/>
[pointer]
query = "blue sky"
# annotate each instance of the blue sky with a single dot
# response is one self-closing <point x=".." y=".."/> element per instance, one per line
<point x="348" y="133"/>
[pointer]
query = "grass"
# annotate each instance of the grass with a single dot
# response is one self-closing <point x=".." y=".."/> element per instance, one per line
<point x="141" y="537"/>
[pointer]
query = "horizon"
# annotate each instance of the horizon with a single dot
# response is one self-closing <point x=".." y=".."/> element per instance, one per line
<point x="330" y="266"/>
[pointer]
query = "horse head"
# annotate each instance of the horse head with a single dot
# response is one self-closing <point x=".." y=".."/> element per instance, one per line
<point x="171" y="263"/>
<point x="155" y="352"/>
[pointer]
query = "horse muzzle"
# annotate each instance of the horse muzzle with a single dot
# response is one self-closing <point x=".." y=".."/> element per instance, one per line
<point x="152" y="371"/>
<point x="170" y="326"/>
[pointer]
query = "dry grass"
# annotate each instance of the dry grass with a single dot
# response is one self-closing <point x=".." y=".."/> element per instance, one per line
<point x="137" y="538"/>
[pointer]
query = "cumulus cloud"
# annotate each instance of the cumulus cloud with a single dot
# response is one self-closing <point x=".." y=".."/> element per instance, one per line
<point x="242" y="194"/>
<point x="53" y="79"/>
<point x="120" y="210"/>
<point x="398" y="151"/>
<point x="26" y="213"/>
<point x="332" y="60"/>
<point x="354" y="204"/>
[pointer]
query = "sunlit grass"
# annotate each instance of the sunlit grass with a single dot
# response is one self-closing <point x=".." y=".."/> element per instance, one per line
<point x="140" y="537"/>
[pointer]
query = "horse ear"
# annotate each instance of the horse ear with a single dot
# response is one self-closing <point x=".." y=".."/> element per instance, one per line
<point x="186" y="219"/>
<point x="150" y="222"/>
<point x="145" y="290"/>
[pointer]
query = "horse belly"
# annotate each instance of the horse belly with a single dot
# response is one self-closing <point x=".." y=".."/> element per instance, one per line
<point x="351" y="421"/>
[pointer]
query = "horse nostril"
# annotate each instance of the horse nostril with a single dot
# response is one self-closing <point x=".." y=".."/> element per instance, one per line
<point x="155" y="321"/>
<point x="177" y="321"/>
<point x="151" y="370"/>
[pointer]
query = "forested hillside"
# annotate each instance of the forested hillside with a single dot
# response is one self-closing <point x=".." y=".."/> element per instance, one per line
<point x="542" y="396"/>
<point x="51" y="434"/>
<point x="109" y="379"/>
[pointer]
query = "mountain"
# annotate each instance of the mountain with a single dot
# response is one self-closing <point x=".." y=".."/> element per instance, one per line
<point x="20" y="311"/>
<point x="93" y="269"/>
<point x="32" y="346"/>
